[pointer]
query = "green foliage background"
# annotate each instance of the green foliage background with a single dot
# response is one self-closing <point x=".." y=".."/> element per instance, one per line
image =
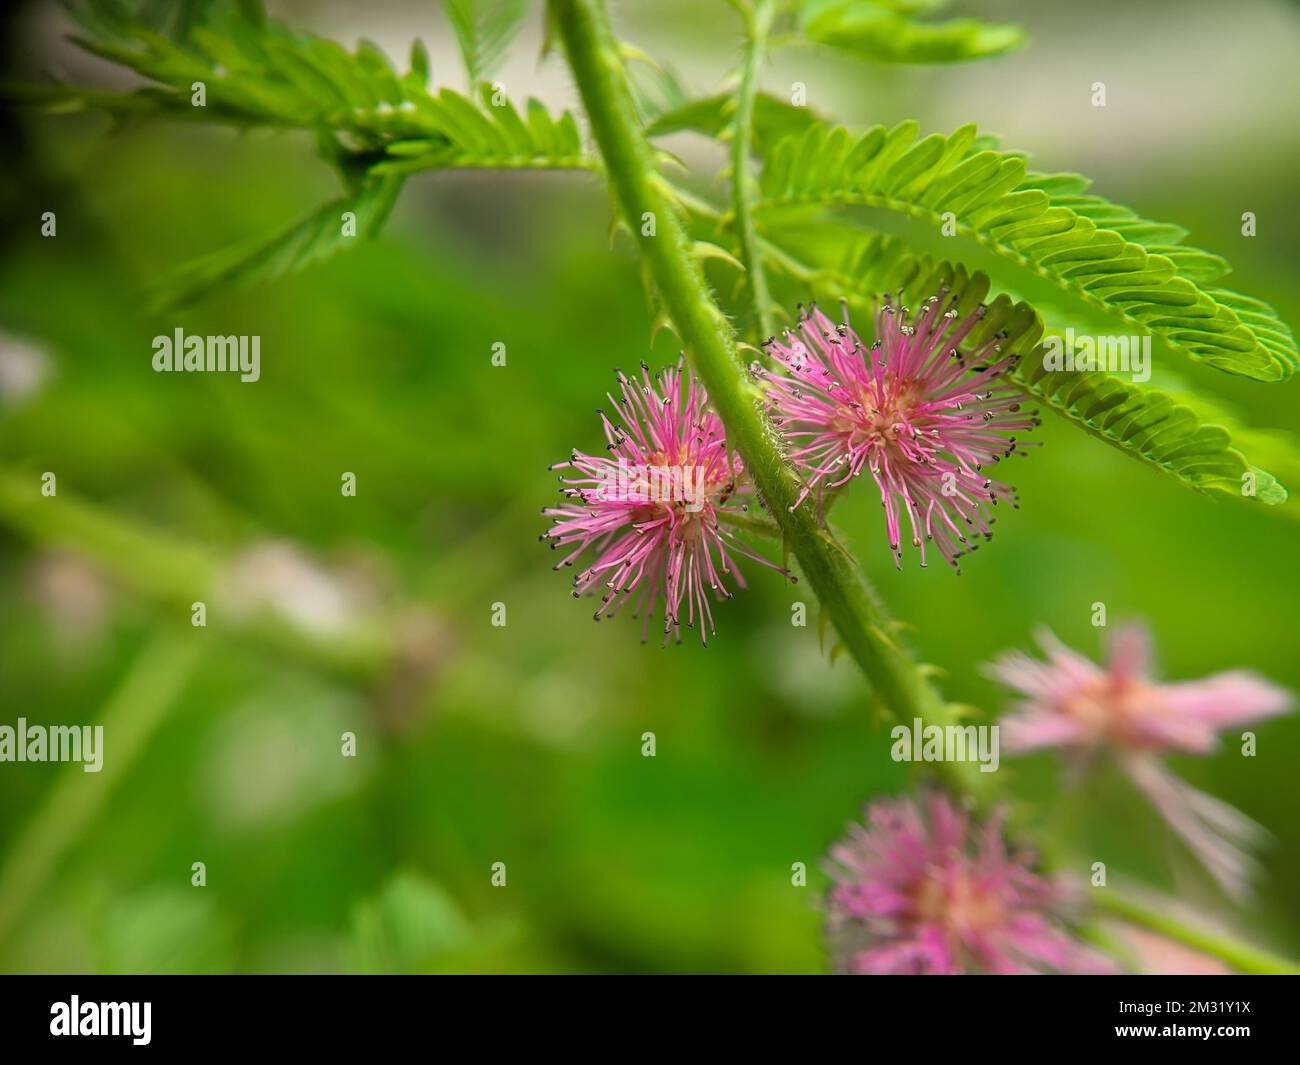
<point x="522" y="744"/>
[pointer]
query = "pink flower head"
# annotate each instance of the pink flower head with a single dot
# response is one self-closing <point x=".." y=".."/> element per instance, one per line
<point x="652" y="510"/>
<point x="922" y="417"/>
<point x="929" y="893"/>
<point x="1072" y="703"/>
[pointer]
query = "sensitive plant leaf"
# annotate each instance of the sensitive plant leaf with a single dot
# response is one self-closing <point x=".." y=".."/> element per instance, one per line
<point x="310" y="240"/>
<point x="493" y="136"/>
<point x="273" y="77"/>
<point x="484" y="30"/>
<point x="289" y="80"/>
<point x="1152" y="426"/>
<point x="172" y="18"/>
<point x="885" y="32"/>
<point x="1099" y="254"/>
<point x="374" y="124"/>
<point x="1275" y="449"/>
<point x="773" y="118"/>
<point x="656" y="88"/>
<point x="420" y="70"/>
<point x="1162" y="430"/>
<point x="265" y="74"/>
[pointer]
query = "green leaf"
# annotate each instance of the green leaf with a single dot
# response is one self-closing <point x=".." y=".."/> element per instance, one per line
<point x="1098" y="254"/>
<point x="1150" y="425"/>
<point x="494" y="136"/>
<point x="171" y="18"/>
<point x="266" y="74"/>
<point x="656" y="88"/>
<point x="307" y="241"/>
<point x="885" y="32"/>
<point x="164" y="930"/>
<point x="356" y="102"/>
<point x="773" y="118"/>
<point x="484" y="30"/>
<point x="406" y="927"/>
<point x="419" y="63"/>
<point x="1275" y="449"/>
<point x="372" y="123"/>
<point x="1163" y="430"/>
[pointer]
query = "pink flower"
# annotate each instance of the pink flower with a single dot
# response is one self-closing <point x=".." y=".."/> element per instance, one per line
<point x="920" y="416"/>
<point x="1072" y="703"/>
<point x="652" y="510"/>
<point x="931" y="894"/>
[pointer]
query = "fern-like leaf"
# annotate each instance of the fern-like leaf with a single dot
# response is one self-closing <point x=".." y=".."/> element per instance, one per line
<point x="372" y="123"/>
<point x="484" y="30"/>
<point x="1097" y="253"/>
<point x="266" y="74"/>
<point x="884" y="31"/>
<point x="310" y="240"/>
<point x="494" y="136"/>
<point x="1162" y="430"/>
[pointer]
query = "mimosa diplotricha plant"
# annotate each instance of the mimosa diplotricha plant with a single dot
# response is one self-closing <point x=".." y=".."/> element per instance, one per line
<point x="772" y="413"/>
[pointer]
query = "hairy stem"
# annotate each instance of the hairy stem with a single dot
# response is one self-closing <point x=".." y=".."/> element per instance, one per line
<point x="899" y="683"/>
<point x="758" y="22"/>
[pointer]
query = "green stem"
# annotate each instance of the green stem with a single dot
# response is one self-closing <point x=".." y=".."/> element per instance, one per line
<point x="758" y="22"/>
<point x="858" y="616"/>
<point x="1241" y="956"/>
<point x="851" y="604"/>
<point x="172" y="574"/>
<point x="77" y="798"/>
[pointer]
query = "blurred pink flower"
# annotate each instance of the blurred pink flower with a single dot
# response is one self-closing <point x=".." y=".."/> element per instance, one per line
<point x="919" y="415"/>
<point x="652" y="509"/>
<point x="931" y="894"/>
<point x="1157" y="956"/>
<point x="1072" y="703"/>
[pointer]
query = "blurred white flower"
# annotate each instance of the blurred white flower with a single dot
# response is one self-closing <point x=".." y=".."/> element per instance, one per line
<point x="277" y="577"/>
<point x="24" y="369"/>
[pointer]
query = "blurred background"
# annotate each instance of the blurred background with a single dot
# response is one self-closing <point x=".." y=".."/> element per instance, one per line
<point x="372" y="615"/>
